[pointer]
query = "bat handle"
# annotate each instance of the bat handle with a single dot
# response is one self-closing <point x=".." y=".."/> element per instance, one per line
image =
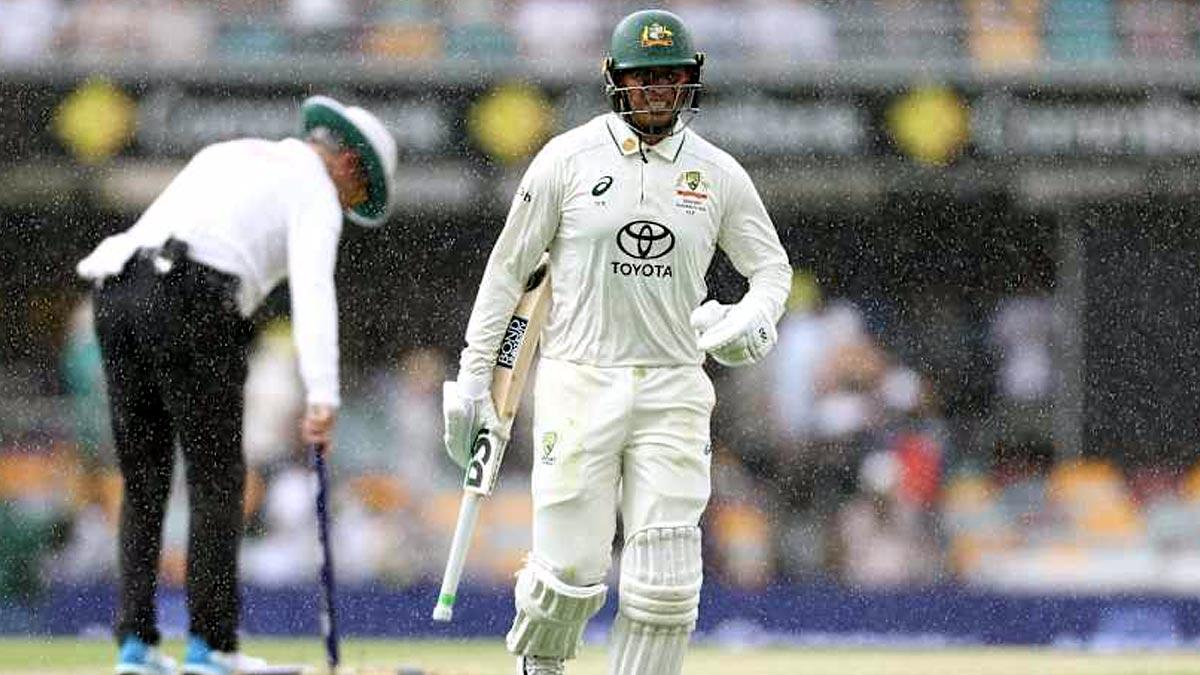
<point x="328" y="611"/>
<point x="468" y="514"/>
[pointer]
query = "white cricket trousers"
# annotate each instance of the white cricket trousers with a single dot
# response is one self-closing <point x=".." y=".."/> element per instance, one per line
<point x="633" y="438"/>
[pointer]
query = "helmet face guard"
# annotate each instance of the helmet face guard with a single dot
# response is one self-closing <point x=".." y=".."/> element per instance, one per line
<point x="653" y="39"/>
<point x="684" y="107"/>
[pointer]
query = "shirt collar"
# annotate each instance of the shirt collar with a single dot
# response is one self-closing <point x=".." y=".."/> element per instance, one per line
<point x="627" y="141"/>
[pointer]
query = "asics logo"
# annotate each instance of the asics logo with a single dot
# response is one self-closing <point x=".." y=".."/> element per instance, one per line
<point x="602" y="186"/>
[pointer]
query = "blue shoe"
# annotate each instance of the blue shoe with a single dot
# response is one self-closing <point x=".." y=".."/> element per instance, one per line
<point x="204" y="660"/>
<point x="138" y="658"/>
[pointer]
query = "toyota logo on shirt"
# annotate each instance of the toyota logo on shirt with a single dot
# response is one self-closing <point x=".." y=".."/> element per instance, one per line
<point x="645" y="240"/>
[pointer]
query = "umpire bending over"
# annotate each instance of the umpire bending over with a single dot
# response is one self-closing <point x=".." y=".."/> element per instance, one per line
<point x="173" y="298"/>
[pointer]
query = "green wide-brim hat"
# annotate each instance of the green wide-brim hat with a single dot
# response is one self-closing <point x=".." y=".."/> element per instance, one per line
<point x="376" y="148"/>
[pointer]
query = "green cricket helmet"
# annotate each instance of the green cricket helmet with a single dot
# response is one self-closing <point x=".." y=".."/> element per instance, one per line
<point x="653" y="38"/>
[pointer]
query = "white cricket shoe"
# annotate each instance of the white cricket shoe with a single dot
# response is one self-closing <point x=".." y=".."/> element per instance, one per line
<point x="204" y="660"/>
<point x="138" y="658"/>
<point x="540" y="665"/>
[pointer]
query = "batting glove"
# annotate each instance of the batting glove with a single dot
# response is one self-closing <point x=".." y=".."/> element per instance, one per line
<point x="735" y="335"/>
<point x="466" y="414"/>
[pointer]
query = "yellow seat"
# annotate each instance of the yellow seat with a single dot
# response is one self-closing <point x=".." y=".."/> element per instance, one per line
<point x="34" y="474"/>
<point x="382" y="493"/>
<point x="1004" y="33"/>
<point x="1095" y="501"/>
<point x="968" y="494"/>
<point x="403" y="41"/>
<point x="504" y="534"/>
<point x="742" y="540"/>
<point x="1189" y="488"/>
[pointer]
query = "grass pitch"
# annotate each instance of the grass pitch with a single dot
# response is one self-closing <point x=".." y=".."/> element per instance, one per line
<point x="385" y="657"/>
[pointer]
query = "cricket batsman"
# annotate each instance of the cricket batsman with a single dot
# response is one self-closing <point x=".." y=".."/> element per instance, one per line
<point x="631" y="207"/>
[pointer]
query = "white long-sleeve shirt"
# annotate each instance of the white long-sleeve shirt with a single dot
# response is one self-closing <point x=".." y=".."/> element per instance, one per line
<point x="631" y="230"/>
<point x="262" y="211"/>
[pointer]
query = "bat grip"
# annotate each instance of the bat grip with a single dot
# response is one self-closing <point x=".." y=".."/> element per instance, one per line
<point x="328" y="616"/>
<point x="468" y="514"/>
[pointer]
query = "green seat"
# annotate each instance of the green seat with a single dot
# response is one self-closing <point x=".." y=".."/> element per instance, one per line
<point x="1080" y="30"/>
<point x="252" y="39"/>
<point x="480" y="42"/>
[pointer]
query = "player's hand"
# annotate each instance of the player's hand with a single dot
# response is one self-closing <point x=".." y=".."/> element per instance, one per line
<point x="735" y="335"/>
<point x="465" y="417"/>
<point x="316" y="427"/>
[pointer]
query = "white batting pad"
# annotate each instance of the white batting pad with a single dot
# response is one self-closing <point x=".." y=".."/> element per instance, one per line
<point x="551" y="614"/>
<point x="660" y="599"/>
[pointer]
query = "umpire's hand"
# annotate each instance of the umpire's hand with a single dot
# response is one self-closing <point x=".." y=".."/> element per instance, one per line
<point x="317" y="426"/>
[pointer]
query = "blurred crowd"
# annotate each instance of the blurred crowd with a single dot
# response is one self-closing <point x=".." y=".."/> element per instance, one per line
<point x="987" y="32"/>
<point x="834" y="458"/>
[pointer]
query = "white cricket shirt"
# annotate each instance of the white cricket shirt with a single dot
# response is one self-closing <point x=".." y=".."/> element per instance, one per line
<point x="631" y="230"/>
<point x="261" y="210"/>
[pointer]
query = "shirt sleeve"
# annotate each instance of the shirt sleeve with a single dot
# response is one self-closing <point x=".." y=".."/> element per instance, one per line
<point x="530" y="227"/>
<point x="312" y="257"/>
<point x="748" y="237"/>
<point x="151" y="229"/>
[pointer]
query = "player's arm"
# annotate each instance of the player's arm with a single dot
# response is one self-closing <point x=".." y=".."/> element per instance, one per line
<point x="528" y="230"/>
<point x="312" y="257"/>
<point x="744" y="333"/>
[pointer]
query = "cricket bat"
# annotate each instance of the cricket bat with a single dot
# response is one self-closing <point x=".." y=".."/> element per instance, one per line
<point x="513" y="361"/>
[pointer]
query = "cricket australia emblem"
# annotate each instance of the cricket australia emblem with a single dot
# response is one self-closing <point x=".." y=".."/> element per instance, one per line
<point x="549" y="440"/>
<point x="691" y="192"/>
<point x="657" y="35"/>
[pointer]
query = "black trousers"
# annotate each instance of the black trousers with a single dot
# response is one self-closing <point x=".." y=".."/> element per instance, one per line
<point x="174" y="350"/>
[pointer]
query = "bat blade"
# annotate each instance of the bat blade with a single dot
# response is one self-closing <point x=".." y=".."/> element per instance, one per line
<point x="513" y="361"/>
